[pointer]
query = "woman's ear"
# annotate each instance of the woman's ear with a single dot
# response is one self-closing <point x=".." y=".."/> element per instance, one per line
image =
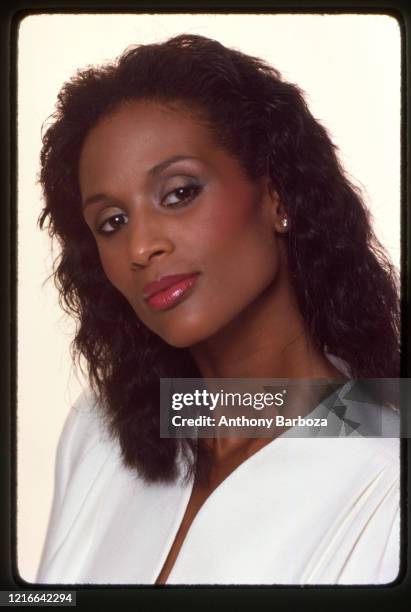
<point x="279" y="216"/>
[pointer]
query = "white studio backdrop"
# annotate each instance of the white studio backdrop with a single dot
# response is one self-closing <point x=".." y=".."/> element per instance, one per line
<point x="349" y="67"/>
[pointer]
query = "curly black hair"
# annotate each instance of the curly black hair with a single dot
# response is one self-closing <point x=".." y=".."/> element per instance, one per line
<point x="346" y="287"/>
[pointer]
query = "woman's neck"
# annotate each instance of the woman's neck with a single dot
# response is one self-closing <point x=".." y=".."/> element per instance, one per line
<point x="267" y="340"/>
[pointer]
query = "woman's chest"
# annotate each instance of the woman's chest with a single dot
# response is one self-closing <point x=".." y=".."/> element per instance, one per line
<point x="267" y="523"/>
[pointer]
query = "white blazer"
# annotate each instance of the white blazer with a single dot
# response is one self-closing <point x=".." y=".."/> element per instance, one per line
<point x="298" y="511"/>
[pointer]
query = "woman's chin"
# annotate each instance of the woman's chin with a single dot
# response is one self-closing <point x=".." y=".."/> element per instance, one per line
<point x="183" y="340"/>
<point x="185" y="334"/>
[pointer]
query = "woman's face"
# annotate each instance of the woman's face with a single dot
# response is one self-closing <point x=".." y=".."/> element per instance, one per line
<point x="165" y="203"/>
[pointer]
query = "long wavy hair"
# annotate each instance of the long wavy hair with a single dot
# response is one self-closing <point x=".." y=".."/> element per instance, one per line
<point x="346" y="287"/>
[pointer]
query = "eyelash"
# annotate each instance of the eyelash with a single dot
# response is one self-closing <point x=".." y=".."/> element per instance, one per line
<point x="194" y="189"/>
<point x="105" y="232"/>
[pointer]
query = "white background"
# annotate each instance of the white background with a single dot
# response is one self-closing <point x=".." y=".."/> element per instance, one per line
<point x="349" y="67"/>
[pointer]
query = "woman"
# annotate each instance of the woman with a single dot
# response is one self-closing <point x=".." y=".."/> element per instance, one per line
<point x="208" y="230"/>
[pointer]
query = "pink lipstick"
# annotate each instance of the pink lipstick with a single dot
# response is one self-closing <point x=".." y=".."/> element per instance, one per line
<point x="169" y="290"/>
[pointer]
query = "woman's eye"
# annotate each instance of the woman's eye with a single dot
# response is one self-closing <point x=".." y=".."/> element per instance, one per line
<point x="181" y="195"/>
<point x="112" y="224"/>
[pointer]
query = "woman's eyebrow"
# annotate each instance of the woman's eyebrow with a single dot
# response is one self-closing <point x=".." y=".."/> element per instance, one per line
<point x="166" y="163"/>
<point x="97" y="198"/>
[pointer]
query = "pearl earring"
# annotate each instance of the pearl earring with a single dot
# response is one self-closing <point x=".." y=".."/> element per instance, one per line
<point x="284" y="222"/>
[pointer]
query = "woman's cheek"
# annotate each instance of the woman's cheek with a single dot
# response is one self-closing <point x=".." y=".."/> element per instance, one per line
<point x="114" y="270"/>
<point x="227" y="220"/>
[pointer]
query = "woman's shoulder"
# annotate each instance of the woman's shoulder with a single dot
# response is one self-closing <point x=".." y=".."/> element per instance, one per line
<point x="84" y="426"/>
<point x="85" y="442"/>
<point x="85" y="438"/>
<point x="86" y="454"/>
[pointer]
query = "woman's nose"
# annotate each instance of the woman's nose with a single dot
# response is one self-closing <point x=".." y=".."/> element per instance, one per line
<point x="147" y="242"/>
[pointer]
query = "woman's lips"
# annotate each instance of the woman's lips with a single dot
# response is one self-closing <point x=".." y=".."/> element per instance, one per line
<point x="169" y="290"/>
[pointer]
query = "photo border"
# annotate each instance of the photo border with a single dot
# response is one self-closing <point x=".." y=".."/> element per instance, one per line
<point x="11" y="15"/>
